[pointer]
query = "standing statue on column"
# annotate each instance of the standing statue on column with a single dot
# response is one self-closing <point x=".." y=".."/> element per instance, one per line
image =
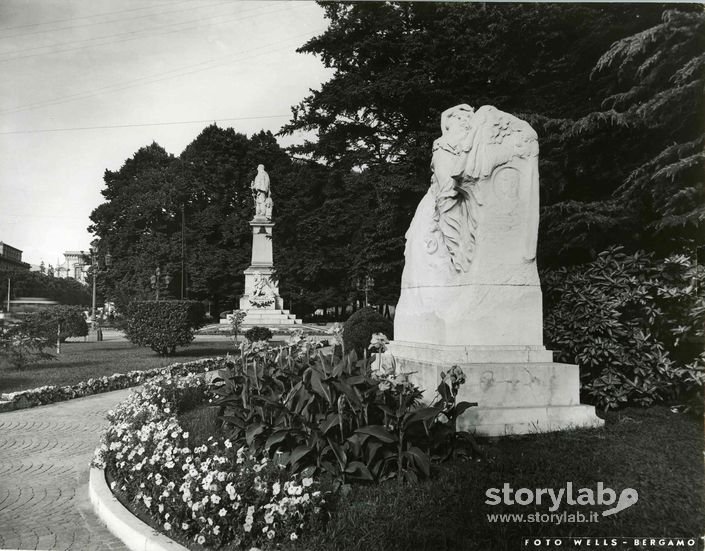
<point x="260" y="191"/>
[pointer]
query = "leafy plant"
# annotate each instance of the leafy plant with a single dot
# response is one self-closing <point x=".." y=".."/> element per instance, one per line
<point x="236" y="319"/>
<point x="331" y="416"/>
<point x="360" y="327"/>
<point x="68" y="320"/>
<point x="631" y="323"/>
<point x="256" y="334"/>
<point x="20" y="346"/>
<point x="163" y="325"/>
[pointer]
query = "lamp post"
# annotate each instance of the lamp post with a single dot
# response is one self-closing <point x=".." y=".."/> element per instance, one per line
<point x="156" y="281"/>
<point x="365" y="284"/>
<point x="95" y="268"/>
<point x="93" y="249"/>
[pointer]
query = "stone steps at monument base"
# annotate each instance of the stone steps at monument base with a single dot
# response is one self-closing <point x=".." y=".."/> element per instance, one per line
<point x="269" y="318"/>
<point x="504" y="421"/>
<point x="266" y="316"/>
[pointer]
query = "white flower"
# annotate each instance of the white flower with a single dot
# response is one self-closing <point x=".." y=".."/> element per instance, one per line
<point x="215" y="499"/>
<point x="201" y="540"/>
<point x="276" y="488"/>
<point x="222" y="512"/>
<point x="216" y="530"/>
<point x="293" y="536"/>
<point x="167" y="526"/>
<point x="307" y="482"/>
<point x="270" y="534"/>
<point x="184" y="525"/>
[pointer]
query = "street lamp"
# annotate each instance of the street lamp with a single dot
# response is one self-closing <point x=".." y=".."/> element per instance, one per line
<point x="95" y="269"/>
<point x="93" y="249"/>
<point x="157" y="279"/>
<point x="365" y="284"/>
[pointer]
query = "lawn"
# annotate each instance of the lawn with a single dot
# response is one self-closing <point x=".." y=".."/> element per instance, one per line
<point x="79" y="361"/>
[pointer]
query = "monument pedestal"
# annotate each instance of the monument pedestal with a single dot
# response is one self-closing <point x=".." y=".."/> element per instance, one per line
<point x="519" y="389"/>
<point x="261" y="302"/>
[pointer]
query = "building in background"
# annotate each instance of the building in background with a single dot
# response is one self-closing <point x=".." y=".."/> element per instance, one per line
<point x="75" y="266"/>
<point x="11" y="258"/>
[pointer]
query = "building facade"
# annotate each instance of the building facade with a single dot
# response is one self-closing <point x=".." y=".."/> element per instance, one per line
<point x="11" y="258"/>
<point x="75" y="266"/>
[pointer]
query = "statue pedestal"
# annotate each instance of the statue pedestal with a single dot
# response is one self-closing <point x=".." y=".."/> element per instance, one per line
<point x="261" y="302"/>
<point x="519" y="389"/>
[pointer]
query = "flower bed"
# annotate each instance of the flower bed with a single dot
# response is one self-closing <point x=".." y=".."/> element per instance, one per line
<point x="214" y="494"/>
<point x="52" y="393"/>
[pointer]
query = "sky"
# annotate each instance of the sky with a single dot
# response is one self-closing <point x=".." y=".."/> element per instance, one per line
<point x="86" y="83"/>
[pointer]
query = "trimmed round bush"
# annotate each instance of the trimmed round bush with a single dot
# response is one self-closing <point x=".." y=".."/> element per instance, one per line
<point x="163" y="325"/>
<point x="360" y="326"/>
<point x="256" y="334"/>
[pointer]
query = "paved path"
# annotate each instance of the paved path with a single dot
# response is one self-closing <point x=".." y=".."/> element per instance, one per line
<point x="45" y="454"/>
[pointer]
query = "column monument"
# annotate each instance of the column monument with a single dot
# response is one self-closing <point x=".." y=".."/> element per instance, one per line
<point x="470" y="290"/>
<point x="261" y="301"/>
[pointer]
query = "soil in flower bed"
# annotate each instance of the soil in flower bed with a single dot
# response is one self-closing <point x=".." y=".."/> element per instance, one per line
<point x="80" y="361"/>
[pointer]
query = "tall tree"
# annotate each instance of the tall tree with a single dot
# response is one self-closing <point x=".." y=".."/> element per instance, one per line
<point x="400" y="64"/>
<point x="650" y="133"/>
<point x="205" y="192"/>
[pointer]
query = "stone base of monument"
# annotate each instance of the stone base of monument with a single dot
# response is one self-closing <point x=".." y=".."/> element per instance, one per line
<point x="269" y="318"/>
<point x="519" y="389"/>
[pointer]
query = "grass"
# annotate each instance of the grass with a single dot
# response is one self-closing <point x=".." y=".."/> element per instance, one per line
<point x="80" y="361"/>
<point x="654" y="451"/>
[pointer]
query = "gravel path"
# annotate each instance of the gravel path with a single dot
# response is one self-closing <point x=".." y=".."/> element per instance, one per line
<point x="45" y="454"/>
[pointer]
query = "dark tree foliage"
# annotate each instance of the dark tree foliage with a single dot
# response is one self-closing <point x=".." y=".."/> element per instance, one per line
<point x="400" y="64"/>
<point x="137" y="224"/>
<point x="35" y="284"/>
<point x="637" y="162"/>
<point x="208" y="188"/>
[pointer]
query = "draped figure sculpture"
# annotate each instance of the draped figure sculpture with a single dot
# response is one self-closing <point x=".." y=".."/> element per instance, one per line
<point x="261" y="192"/>
<point x="470" y="291"/>
<point x="471" y="245"/>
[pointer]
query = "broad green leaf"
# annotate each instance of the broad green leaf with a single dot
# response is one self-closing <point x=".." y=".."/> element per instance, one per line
<point x="379" y="432"/>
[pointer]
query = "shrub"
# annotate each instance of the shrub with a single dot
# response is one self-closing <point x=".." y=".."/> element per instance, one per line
<point x="45" y="323"/>
<point x="256" y="334"/>
<point x="629" y="321"/>
<point x="19" y="347"/>
<point x="360" y="327"/>
<point x="163" y="325"/>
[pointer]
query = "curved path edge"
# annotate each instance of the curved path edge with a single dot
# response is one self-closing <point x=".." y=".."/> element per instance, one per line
<point x="135" y="534"/>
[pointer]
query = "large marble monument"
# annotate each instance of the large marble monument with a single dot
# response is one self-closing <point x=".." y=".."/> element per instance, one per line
<point x="261" y="301"/>
<point x="470" y="291"/>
